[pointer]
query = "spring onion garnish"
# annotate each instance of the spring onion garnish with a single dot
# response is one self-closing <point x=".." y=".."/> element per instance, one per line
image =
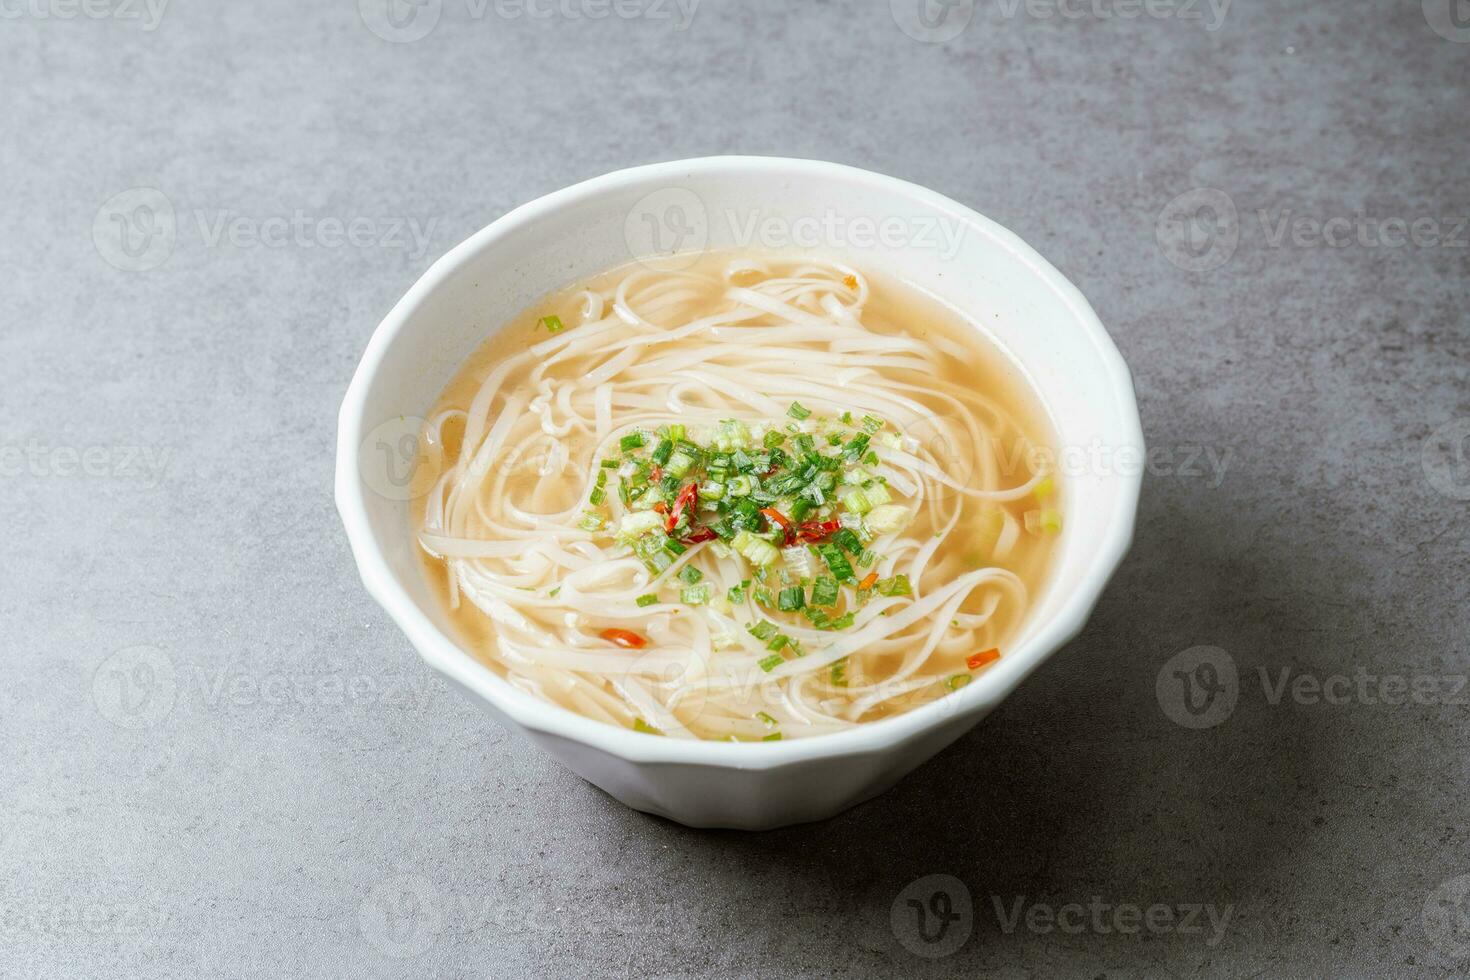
<point x="773" y="737"/>
<point x="957" y="681"/>
<point x="762" y="630"/>
<point x="551" y="323"/>
<point x="982" y="658"/>
<point x="836" y="561"/>
<point x="639" y="725"/>
<point x="838" y="673"/>
<point x="1043" y="521"/>
<point x="799" y="504"/>
<point x="599" y="489"/>
<point x="791" y="599"/>
<point x="771" y="663"/>
<point x="898" y="585"/>
<point x="766" y="719"/>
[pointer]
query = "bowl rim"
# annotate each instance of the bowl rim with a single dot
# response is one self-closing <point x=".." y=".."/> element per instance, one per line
<point x="441" y="651"/>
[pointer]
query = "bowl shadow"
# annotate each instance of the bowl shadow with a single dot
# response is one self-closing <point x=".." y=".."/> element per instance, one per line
<point x="1080" y="785"/>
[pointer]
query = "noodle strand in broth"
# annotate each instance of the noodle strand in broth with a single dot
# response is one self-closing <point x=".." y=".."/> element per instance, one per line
<point x="766" y="497"/>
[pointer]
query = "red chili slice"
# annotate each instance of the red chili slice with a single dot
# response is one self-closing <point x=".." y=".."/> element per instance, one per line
<point x="701" y="534"/>
<point x="779" y="519"/>
<point x="624" y="638"/>
<point x="982" y="658"/>
<point x="812" y="531"/>
<point x="685" y="498"/>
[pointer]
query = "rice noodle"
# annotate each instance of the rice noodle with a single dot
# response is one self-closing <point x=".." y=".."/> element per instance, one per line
<point x="741" y="339"/>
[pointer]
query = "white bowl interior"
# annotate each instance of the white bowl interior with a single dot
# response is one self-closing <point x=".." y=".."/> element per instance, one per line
<point x="1027" y="308"/>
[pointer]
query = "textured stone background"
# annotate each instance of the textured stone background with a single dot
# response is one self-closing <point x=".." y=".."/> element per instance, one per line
<point x="217" y="757"/>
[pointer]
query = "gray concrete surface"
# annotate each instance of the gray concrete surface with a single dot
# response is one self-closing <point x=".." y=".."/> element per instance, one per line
<point x="220" y="759"/>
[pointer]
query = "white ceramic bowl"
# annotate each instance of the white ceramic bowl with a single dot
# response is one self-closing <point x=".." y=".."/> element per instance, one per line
<point x="877" y="222"/>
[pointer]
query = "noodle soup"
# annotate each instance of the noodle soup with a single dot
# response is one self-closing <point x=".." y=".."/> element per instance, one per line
<point x="763" y="497"/>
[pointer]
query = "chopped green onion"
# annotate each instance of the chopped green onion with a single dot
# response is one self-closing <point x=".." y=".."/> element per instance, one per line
<point x="690" y="574"/>
<point x="676" y="431"/>
<point x="837" y="562"/>
<point x="680" y="462"/>
<point x="872" y="423"/>
<point x="839" y="673"/>
<point x="1043" y="521"/>
<point x="773" y="439"/>
<point x="898" y="585"/>
<point x="791" y="599"/>
<point x="631" y="441"/>
<point x="754" y="549"/>
<point x="660" y="454"/>
<point x="763" y="630"/>
<point x="695" y="595"/>
<point x="848" y="541"/>
<point x="773" y="737"/>
<point x="767" y="719"/>
<point x="770" y="663"/>
<point x="825" y="591"/>
<point x="841" y="622"/>
<point x="646" y="600"/>
<point x="736" y="594"/>
<point x="551" y="323"/>
<point x="798" y="412"/>
<point x="889" y="517"/>
<point x="639" y="522"/>
<point x="957" y="681"/>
